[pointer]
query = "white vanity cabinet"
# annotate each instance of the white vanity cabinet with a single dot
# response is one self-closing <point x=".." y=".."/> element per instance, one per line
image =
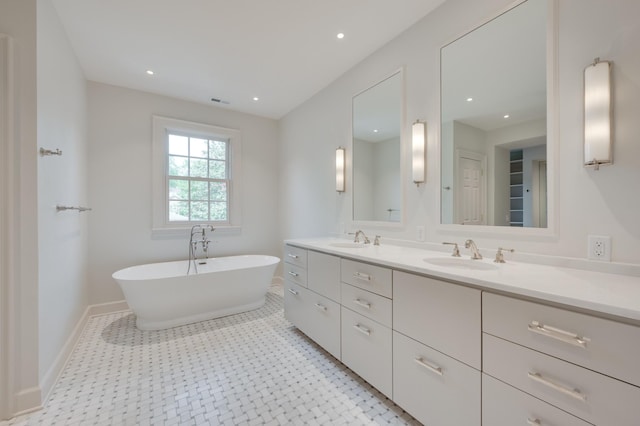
<point x="309" y="309"/>
<point x="459" y="353"/>
<point x="436" y="350"/>
<point x="582" y="364"/>
<point x="366" y="322"/>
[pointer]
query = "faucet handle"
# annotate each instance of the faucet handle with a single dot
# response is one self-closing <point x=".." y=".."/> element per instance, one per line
<point x="456" y="250"/>
<point x="376" y="240"/>
<point x="500" y="256"/>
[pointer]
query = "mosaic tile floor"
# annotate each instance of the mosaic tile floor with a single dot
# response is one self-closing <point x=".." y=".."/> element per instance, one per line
<point x="253" y="368"/>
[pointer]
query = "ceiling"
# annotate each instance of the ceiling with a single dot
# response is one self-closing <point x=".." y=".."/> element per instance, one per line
<point x="281" y="51"/>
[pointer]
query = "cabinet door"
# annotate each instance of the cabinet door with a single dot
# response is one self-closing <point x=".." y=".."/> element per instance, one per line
<point x="434" y="388"/>
<point x="323" y="316"/>
<point x="439" y="314"/>
<point x="366" y="349"/>
<point x="323" y="274"/>
<point x="503" y="405"/>
<point x="296" y="305"/>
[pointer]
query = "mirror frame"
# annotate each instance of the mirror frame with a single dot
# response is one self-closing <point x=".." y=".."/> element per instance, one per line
<point x="403" y="149"/>
<point x="550" y="231"/>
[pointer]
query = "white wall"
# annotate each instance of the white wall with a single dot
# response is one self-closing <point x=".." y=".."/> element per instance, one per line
<point x="18" y="19"/>
<point x="587" y="202"/>
<point x="62" y="237"/>
<point x="120" y="184"/>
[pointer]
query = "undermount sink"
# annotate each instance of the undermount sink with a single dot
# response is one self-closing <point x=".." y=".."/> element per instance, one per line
<point x="349" y="245"/>
<point x="458" y="263"/>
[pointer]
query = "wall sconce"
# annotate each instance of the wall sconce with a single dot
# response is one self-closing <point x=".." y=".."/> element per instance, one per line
<point x="597" y="114"/>
<point x="417" y="151"/>
<point x="340" y="169"/>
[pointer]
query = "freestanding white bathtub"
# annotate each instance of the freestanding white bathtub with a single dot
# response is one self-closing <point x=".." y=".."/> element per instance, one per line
<point x="162" y="295"/>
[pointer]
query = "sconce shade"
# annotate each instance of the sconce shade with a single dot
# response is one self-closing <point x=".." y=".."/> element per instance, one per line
<point x="418" y="151"/>
<point x="340" y="169"/>
<point x="597" y="114"/>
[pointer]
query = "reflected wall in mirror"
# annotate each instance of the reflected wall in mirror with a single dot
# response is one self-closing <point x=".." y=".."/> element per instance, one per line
<point x="493" y="121"/>
<point x="377" y="119"/>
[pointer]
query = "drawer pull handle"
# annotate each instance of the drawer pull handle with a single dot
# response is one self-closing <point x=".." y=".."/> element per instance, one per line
<point x="293" y="256"/>
<point x="574" y="393"/>
<point x="363" y="330"/>
<point x="433" y="368"/>
<point x="362" y="303"/>
<point x="361" y="276"/>
<point x="533" y="422"/>
<point x="292" y="291"/>
<point x="293" y="274"/>
<point x="558" y="334"/>
<point x="321" y="307"/>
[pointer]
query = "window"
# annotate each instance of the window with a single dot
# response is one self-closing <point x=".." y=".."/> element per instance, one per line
<point x="196" y="174"/>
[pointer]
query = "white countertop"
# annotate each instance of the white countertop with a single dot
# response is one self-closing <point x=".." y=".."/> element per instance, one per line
<point x="611" y="294"/>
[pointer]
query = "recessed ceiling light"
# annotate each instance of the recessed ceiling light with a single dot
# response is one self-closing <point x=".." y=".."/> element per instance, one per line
<point x="469" y="99"/>
<point x="375" y="130"/>
<point x="255" y="98"/>
<point x="150" y="72"/>
<point x="506" y="116"/>
<point x="340" y="36"/>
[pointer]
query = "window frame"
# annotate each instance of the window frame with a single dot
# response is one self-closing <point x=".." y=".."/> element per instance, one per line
<point x="162" y="126"/>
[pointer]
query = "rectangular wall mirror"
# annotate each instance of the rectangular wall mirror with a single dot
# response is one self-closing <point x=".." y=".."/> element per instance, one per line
<point x="494" y="139"/>
<point x="376" y="137"/>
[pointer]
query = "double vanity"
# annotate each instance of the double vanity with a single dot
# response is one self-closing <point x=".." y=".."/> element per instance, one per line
<point x="456" y="341"/>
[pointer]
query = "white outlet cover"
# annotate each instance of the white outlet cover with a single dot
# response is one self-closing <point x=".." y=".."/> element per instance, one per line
<point x="599" y="248"/>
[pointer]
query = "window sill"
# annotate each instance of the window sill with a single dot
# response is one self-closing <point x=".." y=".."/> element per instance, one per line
<point x="183" y="232"/>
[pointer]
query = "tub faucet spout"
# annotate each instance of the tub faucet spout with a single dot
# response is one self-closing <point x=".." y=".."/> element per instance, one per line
<point x="193" y="246"/>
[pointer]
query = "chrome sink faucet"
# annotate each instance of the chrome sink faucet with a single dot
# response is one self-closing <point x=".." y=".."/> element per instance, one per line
<point x="356" y="239"/>
<point x="475" y="253"/>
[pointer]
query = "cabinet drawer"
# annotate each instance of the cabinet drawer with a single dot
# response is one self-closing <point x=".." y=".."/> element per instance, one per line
<point x="295" y="274"/>
<point x="503" y="405"/>
<point x="295" y="256"/>
<point x="369" y="304"/>
<point x="432" y="387"/>
<point x="369" y="277"/>
<point x="366" y="349"/>
<point x="323" y="274"/>
<point x="593" y="397"/>
<point x="599" y="344"/>
<point x="441" y="315"/>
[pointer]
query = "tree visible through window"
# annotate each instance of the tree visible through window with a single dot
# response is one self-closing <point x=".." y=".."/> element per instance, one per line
<point x="197" y="178"/>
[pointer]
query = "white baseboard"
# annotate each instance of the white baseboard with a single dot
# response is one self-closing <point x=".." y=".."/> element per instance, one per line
<point x="50" y="378"/>
<point x="27" y="400"/>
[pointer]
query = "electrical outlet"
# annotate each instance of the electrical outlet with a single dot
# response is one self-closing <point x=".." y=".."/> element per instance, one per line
<point x="420" y="233"/>
<point x="599" y="248"/>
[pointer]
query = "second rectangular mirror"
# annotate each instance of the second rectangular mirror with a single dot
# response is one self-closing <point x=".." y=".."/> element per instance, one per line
<point x="377" y="180"/>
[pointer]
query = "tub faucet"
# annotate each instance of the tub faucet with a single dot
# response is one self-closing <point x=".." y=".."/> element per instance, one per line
<point x="193" y="245"/>
<point x="475" y="253"/>
<point x="356" y="239"/>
